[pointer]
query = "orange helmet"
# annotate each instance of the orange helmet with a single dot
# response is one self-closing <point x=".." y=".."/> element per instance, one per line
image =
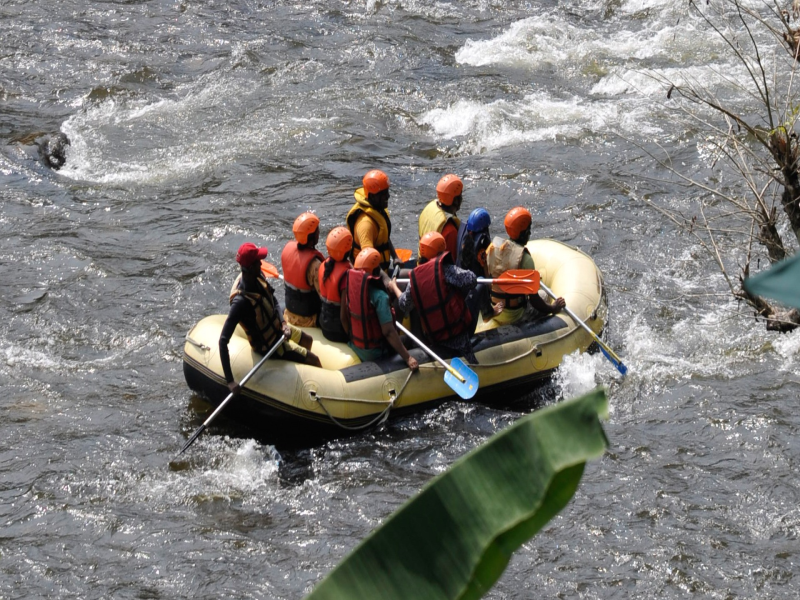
<point x="517" y="220"/>
<point x="448" y="188"/>
<point x="339" y="242"/>
<point x="375" y="181"/>
<point x="368" y="259"/>
<point x="432" y="245"/>
<point x="305" y="225"/>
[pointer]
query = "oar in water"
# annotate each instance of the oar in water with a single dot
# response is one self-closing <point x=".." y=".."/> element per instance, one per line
<point x="462" y="379"/>
<point x="244" y="380"/>
<point x="607" y="352"/>
<point x="514" y="281"/>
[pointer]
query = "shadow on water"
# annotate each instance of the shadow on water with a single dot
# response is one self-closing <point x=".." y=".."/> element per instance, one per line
<point x="298" y="450"/>
<point x="538" y="395"/>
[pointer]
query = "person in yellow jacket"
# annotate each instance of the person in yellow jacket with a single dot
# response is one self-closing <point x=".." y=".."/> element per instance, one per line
<point x="368" y="219"/>
<point x="506" y="254"/>
<point x="440" y="213"/>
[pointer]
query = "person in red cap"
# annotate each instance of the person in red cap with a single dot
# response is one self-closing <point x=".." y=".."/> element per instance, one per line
<point x="368" y="219"/>
<point x="254" y="306"/>
<point x="300" y="261"/>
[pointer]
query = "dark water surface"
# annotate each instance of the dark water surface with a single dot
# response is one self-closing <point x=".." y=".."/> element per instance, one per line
<point x="196" y="126"/>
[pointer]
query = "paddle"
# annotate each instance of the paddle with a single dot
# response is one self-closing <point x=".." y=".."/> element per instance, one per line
<point x="607" y="352"/>
<point x="403" y="254"/>
<point x="459" y="376"/>
<point x="514" y="281"/>
<point x="270" y="270"/>
<point x="244" y="380"/>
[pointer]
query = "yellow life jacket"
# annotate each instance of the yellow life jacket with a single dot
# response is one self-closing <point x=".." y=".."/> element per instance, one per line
<point x="381" y="219"/>
<point x="433" y="218"/>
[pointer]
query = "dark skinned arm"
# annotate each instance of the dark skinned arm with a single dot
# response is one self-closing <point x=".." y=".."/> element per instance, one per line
<point x="544" y="307"/>
<point x="390" y="333"/>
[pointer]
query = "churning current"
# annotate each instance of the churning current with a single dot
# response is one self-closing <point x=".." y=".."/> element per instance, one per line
<point x="198" y="125"/>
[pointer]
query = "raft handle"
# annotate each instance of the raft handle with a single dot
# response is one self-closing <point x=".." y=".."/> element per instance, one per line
<point x="202" y="347"/>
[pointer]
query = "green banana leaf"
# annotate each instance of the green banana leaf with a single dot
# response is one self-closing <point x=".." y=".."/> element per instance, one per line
<point x="456" y="537"/>
<point x="780" y="282"/>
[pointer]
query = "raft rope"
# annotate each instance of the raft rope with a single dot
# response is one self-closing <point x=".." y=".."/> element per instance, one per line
<point x="384" y="414"/>
<point x="436" y="366"/>
<point x="382" y="417"/>
<point x="535" y="348"/>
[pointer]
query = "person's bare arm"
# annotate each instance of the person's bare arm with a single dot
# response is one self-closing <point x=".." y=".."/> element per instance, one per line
<point x="390" y="333"/>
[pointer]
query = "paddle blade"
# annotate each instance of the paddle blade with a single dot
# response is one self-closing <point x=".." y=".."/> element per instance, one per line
<point x="191" y="440"/>
<point x="403" y="254"/>
<point x="269" y="270"/>
<point x="614" y="361"/>
<point x="469" y="387"/>
<point x="519" y="281"/>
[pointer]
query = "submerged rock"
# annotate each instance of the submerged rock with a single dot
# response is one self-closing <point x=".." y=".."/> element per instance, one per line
<point x="53" y="150"/>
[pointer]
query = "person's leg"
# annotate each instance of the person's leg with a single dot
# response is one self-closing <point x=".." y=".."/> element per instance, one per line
<point x="300" y="344"/>
<point x="313" y="360"/>
<point x="305" y="340"/>
<point x="296" y="353"/>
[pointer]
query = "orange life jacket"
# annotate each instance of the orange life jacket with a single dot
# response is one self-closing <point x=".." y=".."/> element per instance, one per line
<point x="330" y="292"/>
<point x="301" y="298"/>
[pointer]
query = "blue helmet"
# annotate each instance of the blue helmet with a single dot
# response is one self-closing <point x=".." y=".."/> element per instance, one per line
<point x="479" y="220"/>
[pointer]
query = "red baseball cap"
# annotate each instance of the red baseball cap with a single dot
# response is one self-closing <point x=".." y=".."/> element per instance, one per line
<point x="249" y="253"/>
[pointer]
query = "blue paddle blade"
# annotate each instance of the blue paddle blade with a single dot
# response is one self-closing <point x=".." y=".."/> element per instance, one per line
<point x="617" y="363"/>
<point x="469" y="387"/>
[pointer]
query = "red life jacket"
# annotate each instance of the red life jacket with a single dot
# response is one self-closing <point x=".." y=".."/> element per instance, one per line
<point x="365" y="328"/>
<point x="441" y="307"/>
<point x="330" y="291"/>
<point x="301" y="298"/>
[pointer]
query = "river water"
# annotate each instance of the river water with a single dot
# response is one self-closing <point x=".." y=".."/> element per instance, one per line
<point x="198" y="125"/>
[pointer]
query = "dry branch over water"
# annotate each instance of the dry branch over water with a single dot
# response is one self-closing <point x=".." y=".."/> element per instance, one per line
<point x="748" y="128"/>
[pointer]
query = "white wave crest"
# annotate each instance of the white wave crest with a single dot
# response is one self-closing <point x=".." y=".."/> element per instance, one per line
<point x="535" y="117"/>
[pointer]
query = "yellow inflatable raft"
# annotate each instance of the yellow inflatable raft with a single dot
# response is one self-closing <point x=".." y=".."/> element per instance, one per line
<point x="346" y="395"/>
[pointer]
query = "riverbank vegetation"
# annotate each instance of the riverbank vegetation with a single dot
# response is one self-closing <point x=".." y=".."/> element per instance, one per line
<point x="747" y="214"/>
